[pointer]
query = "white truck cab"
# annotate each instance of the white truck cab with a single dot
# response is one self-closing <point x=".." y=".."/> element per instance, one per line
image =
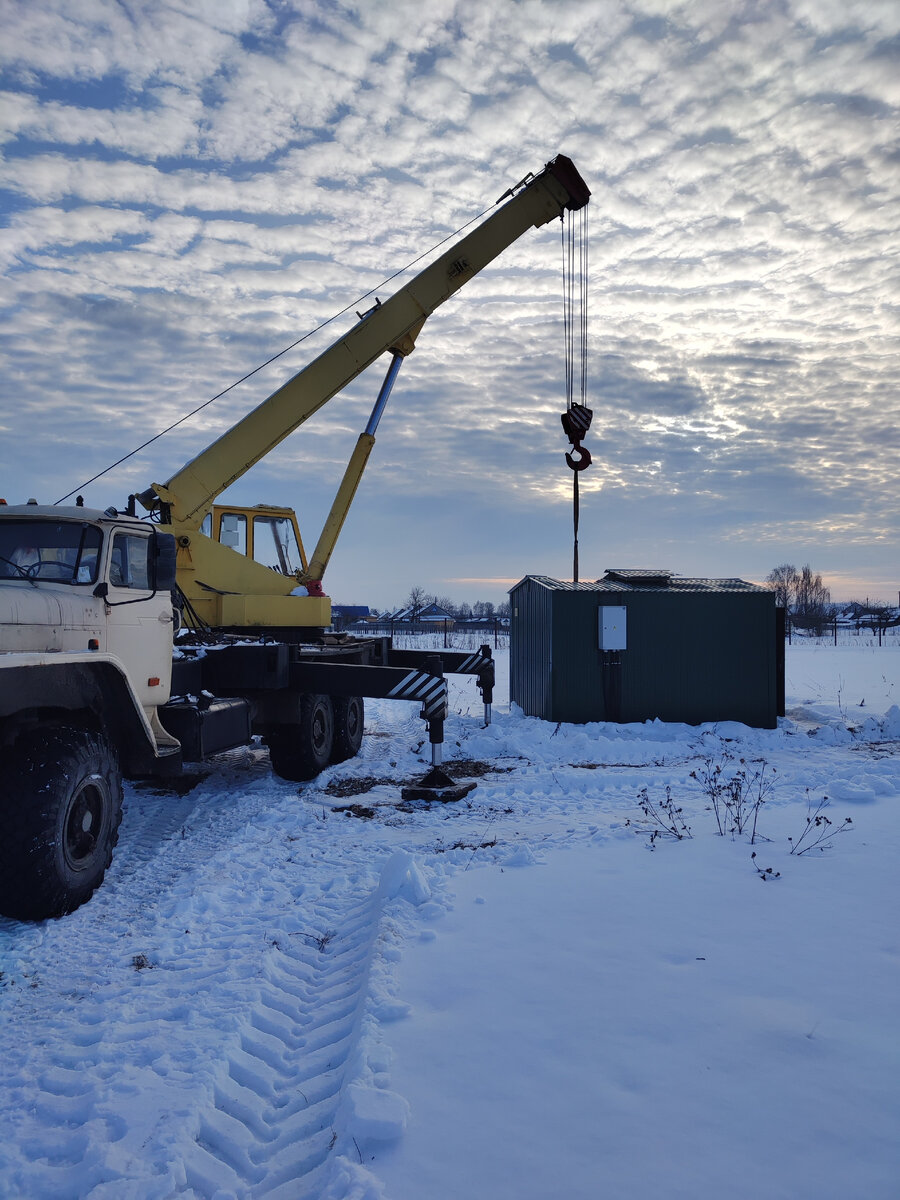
<point x="79" y="581"/>
<point x="86" y="630"/>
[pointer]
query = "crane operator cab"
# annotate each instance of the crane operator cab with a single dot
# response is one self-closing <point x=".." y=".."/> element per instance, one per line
<point x="266" y="563"/>
<point x="265" y="533"/>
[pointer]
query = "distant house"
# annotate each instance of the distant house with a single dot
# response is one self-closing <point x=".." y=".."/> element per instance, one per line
<point x="427" y="614"/>
<point x="343" y="615"/>
<point x="857" y="616"/>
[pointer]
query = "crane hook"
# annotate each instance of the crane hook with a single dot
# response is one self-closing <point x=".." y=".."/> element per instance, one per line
<point x="583" y="462"/>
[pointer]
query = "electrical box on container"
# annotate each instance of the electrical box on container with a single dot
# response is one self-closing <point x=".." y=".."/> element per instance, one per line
<point x="612" y="627"/>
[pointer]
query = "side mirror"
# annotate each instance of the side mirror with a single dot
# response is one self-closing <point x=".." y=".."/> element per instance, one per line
<point x="163" y="550"/>
<point x="101" y="591"/>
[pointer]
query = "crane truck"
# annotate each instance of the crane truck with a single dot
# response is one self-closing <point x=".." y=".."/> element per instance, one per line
<point x="132" y="644"/>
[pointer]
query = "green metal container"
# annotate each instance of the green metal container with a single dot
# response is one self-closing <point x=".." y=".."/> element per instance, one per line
<point x="638" y="645"/>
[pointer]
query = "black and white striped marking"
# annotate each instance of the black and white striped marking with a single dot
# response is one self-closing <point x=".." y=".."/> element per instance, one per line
<point x="419" y="685"/>
<point x="472" y="665"/>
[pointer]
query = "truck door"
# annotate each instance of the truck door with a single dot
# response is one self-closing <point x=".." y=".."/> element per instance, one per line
<point x="139" y="622"/>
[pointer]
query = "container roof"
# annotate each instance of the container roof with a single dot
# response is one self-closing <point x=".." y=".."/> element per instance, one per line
<point x="614" y="582"/>
<point x="648" y="576"/>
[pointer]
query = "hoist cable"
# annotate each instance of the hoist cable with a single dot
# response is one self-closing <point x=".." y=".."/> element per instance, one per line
<point x="575" y="517"/>
<point x="275" y="357"/>
<point x="583" y="280"/>
<point x="568" y="249"/>
<point x="575" y="324"/>
<point x="575" y="304"/>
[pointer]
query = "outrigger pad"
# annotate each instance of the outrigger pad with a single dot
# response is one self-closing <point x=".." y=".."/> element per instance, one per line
<point x="437" y="785"/>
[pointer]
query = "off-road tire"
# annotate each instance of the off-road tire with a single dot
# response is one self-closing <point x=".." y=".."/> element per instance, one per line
<point x="299" y="752"/>
<point x="349" y="719"/>
<point x="60" y="808"/>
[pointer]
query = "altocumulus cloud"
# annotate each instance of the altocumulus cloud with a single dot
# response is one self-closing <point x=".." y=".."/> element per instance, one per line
<point x="186" y="192"/>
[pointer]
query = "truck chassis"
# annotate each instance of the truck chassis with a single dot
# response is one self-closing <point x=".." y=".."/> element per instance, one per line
<point x="71" y="730"/>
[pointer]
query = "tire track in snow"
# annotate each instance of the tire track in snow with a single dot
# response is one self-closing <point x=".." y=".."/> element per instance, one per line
<point x="223" y="1052"/>
<point x="239" y="1099"/>
<point x="155" y="819"/>
<point x="272" y="1125"/>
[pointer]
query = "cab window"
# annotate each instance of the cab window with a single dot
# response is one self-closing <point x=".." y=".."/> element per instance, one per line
<point x="275" y="544"/>
<point x="233" y="531"/>
<point x="129" y="561"/>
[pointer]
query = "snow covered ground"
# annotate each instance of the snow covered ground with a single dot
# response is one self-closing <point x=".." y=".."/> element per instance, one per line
<point x="522" y="995"/>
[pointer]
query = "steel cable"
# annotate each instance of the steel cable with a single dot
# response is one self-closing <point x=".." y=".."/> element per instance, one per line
<point x="347" y="308"/>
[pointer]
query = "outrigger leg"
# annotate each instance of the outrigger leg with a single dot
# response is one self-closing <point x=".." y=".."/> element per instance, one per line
<point x="437" y="784"/>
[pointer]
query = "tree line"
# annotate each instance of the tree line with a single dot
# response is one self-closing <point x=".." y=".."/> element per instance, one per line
<point x="418" y="599"/>
<point x="808" y="603"/>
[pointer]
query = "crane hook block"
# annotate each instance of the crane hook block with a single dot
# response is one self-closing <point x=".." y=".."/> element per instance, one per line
<point x="576" y="421"/>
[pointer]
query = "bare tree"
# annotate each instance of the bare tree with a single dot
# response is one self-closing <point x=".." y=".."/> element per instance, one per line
<point x="783" y="582"/>
<point x="417" y="599"/>
<point x="812" y="602"/>
<point x="803" y="594"/>
<point x="483" y="608"/>
<point x="812" y="606"/>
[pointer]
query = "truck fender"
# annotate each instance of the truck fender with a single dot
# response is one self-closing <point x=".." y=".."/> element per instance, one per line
<point x="91" y="691"/>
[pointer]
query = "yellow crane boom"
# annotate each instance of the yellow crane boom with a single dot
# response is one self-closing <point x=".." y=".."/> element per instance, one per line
<point x="211" y="574"/>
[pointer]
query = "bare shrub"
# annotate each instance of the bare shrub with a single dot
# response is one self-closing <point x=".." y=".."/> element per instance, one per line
<point x="666" y="819"/>
<point x="820" y="830"/>
<point x="736" y="797"/>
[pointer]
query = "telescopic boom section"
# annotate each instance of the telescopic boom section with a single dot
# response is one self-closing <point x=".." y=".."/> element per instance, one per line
<point x="391" y="326"/>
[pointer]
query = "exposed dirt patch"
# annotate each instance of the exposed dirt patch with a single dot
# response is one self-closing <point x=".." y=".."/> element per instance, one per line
<point x="461" y="768"/>
<point x="357" y="786"/>
<point x="363" y="811"/>
<point x="471" y="768"/>
<point x="458" y="768"/>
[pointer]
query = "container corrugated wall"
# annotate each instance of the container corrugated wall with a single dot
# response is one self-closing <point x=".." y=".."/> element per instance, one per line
<point x="700" y="656"/>
<point x="577" y="683"/>
<point x="531" y="646"/>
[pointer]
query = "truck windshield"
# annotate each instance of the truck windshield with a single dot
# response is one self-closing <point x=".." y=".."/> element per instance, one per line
<point x="61" y="551"/>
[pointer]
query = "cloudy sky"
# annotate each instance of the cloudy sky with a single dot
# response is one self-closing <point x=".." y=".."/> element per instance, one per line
<point x="190" y="186"/>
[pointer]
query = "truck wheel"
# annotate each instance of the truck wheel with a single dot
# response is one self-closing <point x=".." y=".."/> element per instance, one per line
<point x="61" y="808"/>
<point x="349" y="719"/>
<point x="299" y="752"/>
